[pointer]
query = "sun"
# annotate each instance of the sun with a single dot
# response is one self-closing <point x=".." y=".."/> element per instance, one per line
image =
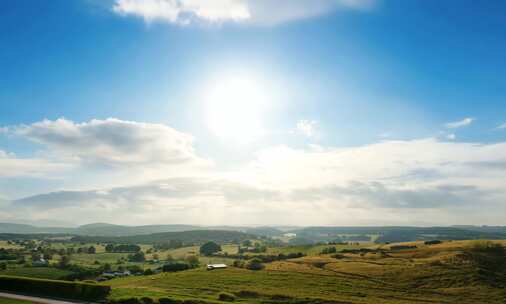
<point x="235" y="109"/>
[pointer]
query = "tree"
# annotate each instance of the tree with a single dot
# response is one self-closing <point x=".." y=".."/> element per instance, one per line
<point x="193" y="261"/>
<point x="137" y="257"/>
<point x="107" y="267"/>
<point x="64" y="261"/>
<point x="210" y="248"/>
<point x="246" y="243"/>
<point x="109" y="248"/>
<point x="3" y="266"/>
<point x="92" y="250"/>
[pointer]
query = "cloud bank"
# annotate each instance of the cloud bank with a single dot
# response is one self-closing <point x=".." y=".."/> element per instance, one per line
<point x="390" y="182"/>
<point x="184" y="12"/>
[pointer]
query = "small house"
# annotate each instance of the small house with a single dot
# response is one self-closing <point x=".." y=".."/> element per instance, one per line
<point x="216" y="266"/>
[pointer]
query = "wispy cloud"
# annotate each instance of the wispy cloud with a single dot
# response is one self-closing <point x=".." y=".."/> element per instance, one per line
<point x="461" y="123"/>
<point x="184" y="12"/>
<point x="306" y="127"/>
<point x="451" y="136"/>
<point x="502" y="126"/>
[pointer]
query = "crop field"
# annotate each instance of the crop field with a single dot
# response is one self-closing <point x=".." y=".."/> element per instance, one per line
<point x="36" y="272"/>
<point x="313" y="249"/>
<point x="429" y="274"/>
<point x="6" y="245"/>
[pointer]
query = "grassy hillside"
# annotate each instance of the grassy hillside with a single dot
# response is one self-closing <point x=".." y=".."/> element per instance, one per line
<point x="451" y="272"/>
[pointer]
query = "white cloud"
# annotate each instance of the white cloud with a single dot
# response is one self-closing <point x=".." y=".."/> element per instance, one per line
<point x="13" y="166"/>
<point x="252" y="11"/>
<point x="182" y="11"/>
<point x="112" y="142"/>
<point x="503" y="126"/>
<point x="306" y="127"/>
<point x="461" y="123"/>
<point x="451" y="136"/>
<point x="395" y="181"/>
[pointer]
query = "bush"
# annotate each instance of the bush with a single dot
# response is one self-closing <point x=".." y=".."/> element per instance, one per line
<point x="147" y="300"/>
<point x="148" y="272"/>
<point x="70" y="290"/>
<point x="255" y="264"/>
<point x="226" y="297"/>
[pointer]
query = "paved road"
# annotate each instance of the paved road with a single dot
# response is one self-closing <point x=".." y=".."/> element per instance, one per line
<point x="32" y="299"/>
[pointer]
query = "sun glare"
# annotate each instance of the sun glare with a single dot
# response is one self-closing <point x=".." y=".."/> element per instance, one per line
<point x="235" y="109"/>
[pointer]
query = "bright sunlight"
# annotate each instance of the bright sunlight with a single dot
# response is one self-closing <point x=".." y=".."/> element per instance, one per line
<point x="235" y="108"/>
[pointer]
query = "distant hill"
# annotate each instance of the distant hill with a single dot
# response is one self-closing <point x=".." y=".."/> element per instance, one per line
<point x="401" y="234"/>
<point x="96" y="229"/>
<point x="188" y="237"/>
<point x="29" y="229"/>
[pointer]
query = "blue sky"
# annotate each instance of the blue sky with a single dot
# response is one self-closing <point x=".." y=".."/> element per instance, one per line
<point x="235" y="84"/>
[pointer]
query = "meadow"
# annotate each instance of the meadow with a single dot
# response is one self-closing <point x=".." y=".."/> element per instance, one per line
<point x="428" y="274"/>
<point x="448" y="272"/>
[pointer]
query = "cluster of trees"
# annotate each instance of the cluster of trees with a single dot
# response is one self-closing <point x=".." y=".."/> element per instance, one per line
<point x="122" y="248"/>
<point x="190" y="262"/>
<point x="209" y="248"/>
<point x="8" y="255"/>
<point x="253" y="264"/>
<point x="267" y="258"/>
<point x="137" y="257"/>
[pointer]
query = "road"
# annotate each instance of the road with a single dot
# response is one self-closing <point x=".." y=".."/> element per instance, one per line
<point x="33" y="299"/>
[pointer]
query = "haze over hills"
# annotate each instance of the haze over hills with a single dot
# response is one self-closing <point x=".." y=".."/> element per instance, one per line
<point x="299" y="235"/>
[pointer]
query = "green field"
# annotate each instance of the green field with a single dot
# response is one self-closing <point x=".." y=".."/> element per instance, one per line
<point x="11" y="301"/>
<point x="428" y="274"/>
<point x="36" y="272"/>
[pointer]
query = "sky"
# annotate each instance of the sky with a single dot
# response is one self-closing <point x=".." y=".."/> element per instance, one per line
<point x="253" y="112"/>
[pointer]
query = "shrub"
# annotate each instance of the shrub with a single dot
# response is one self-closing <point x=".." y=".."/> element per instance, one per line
<point x="148" y="272"/>
<point x="70" y="290"/>
<point x="226" y="297"/>
<point x="147" y="300"/>
<point x="255" y="264"/>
